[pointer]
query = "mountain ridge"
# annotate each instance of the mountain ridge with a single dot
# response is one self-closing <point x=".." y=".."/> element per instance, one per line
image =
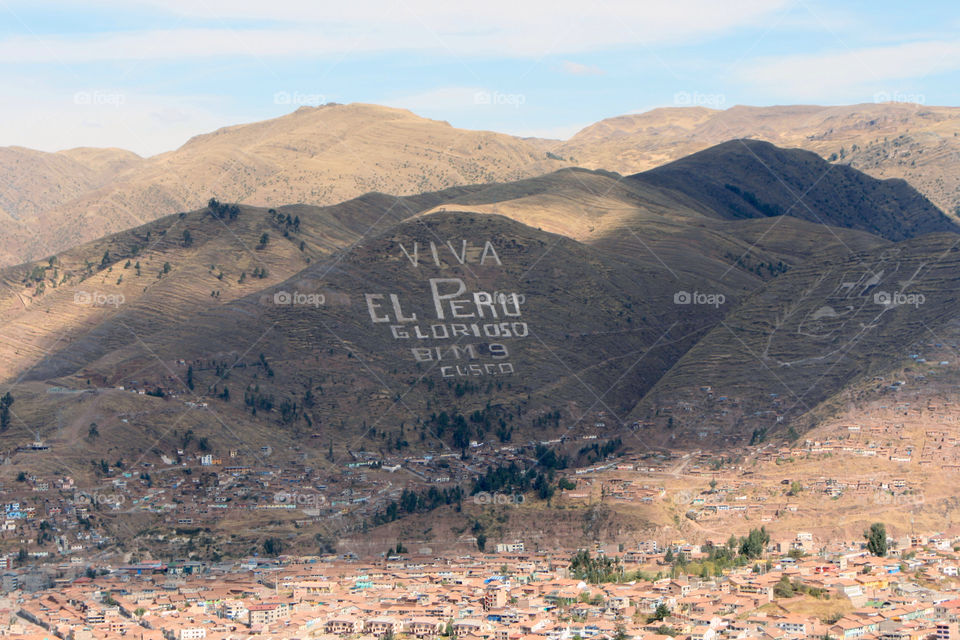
<point x="328" y="154"/>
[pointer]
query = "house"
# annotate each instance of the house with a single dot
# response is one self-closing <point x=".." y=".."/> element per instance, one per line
<point x="343" y="625"/>
<point x="425" y="627"/>
<point x="383" y="625"/>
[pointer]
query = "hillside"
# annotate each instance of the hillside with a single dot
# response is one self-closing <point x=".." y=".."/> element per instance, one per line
<point x="316" y="155"/>
<point x="750" y="179"/>
<point x="806" y="338"/>
<point x="890" y="140"/>
<point x="606" y="314"/>
<point x="34" y="181"/>
<point x="646" y="319"/>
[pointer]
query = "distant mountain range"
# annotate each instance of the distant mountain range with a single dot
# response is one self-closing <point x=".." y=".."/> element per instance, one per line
<point x="325" y="155"/>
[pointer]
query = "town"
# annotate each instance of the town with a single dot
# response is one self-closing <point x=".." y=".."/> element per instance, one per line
<point x="770" y="590"/>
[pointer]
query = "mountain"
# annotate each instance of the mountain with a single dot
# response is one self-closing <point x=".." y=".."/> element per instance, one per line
<point x="328" y="154"/>
<point x="554" y="319"/>
<point x="389" y="311"/>
<point x="316" y="155"/>
<point x="324" y="155"/>
<point x="917" y="143"/>
<point x="750" y="179"/>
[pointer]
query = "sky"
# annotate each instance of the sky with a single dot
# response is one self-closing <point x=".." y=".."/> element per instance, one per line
<point x="146" y="75"/>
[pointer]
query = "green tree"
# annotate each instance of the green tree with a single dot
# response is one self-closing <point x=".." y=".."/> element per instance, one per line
<point x="755" y="543"/>
<point x="877" y="539"/>
<point x="272" y="546"/>
<point x="661" y="612"/>
<point x="783" y="588"/>
<point x="5" y="402"/>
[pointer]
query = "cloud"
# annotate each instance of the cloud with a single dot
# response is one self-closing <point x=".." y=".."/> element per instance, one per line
<point x="532" y="29"/>
<point x="853" y="73"/>
<point x="577" y="69"/>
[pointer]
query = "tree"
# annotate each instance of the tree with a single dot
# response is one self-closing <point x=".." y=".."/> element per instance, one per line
<point x="877" y="539"/>
<point x="264" y="239"/>
<point x="93" y="432"/>
<point x="5" y="403"/>
<point x="481" y="542"/>
<point x="190" y="377"/>
<point x="783" y="588"/>
<point x="187" y="238"/>
<point x="272" y="546"/>
<point x="733" y="544"/>
<point x="755" y="543"/>
<point x="661" y="612"/>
